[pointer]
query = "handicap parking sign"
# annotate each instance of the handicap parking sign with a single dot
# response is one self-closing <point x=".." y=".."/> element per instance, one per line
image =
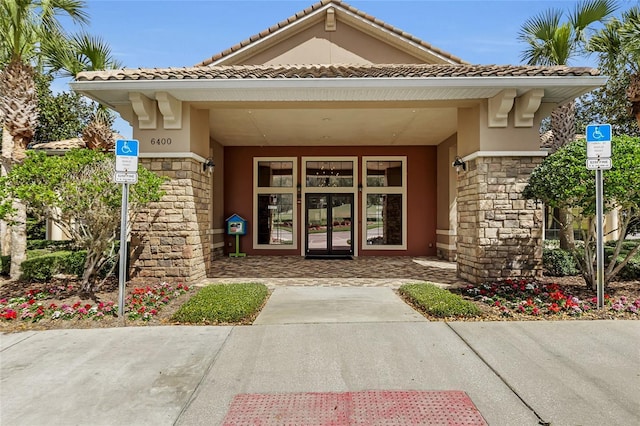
<point x="598" y="140"/>
<point x="127" y="156"/>
<point x="127" y="148"/>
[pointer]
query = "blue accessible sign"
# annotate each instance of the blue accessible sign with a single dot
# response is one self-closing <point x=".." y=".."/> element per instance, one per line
<point x="598" y="141"/>
<point x="127" y="156"/>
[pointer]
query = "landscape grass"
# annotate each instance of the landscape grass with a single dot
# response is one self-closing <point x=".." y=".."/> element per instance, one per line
<point x="438" y="302"/>
<point x="223" y="304"/>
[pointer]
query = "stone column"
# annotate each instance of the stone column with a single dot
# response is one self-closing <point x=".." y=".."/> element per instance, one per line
<point x="499" y="232"/>
<point x="174" y="243"/>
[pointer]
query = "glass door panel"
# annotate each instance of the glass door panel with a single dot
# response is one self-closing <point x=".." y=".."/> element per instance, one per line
<point x="341" y="229"/>
<point x="317" y="223"/>
<point x="329" y="229"/>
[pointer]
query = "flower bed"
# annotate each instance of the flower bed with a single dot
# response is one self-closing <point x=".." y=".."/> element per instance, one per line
<point x="142" y="304"/>
<point x="543" y="299"/>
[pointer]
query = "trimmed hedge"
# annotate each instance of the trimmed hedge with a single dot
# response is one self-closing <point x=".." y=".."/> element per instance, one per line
<point x="42" y="265"/>
<point x="49" y="245"/>
<point x="5" y="265"/>
<point x="559" y="263"/>
<point x="223" y="304"/>
<point x="630" y="271"/>
<point x="438" y="302"/>
<point x="43" y="268"/>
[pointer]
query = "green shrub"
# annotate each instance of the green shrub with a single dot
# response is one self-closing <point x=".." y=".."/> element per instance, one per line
<point x="559" y="262"/>
<point x="43" y="268"/>
<point x="438" y="302"/>
<point x="37" y="253"/>
<point x="49" y="245"/>
<point x="5" y="265"/>
<point x="223" y="303"/>
<point x="74" y="263"/>
<point x="630" y="271"/>
<point x="36" y="229"/>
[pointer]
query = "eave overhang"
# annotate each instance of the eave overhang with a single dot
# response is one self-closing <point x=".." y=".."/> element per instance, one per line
<point x="558" y="89"/>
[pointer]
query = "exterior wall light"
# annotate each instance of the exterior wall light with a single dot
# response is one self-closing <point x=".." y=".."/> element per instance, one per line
<point x="208" y="166"/>
<point x="459" y="164"/>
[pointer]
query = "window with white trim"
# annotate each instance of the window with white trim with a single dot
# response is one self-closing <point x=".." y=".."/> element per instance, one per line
<point x="274" y="213"/>
<point x="384" y="203"/>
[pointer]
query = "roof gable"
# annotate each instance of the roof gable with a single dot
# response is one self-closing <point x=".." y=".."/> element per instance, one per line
<point x="331" y="32"/>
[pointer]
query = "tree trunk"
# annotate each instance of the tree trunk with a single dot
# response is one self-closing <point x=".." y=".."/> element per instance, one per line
<point x="18" y="239"/>
<point x="5" y="239"/>
<point x="5" y="230"/>
<point x="567" y="241"/>
<point x="563" y="125"/>
<point x="633" y="94"/>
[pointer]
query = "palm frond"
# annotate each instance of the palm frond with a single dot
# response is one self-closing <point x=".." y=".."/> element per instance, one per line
<point x="539" y="32"/>
<point x="589" y="11"/>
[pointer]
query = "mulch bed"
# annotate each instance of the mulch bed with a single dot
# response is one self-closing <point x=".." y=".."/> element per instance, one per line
<point x="109" y="292"/>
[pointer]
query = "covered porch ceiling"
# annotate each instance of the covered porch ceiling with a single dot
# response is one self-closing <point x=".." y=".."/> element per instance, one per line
<point x="332" y="123"/>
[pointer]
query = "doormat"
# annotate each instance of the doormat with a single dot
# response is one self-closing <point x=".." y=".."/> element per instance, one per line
<point x="370" y="408"/>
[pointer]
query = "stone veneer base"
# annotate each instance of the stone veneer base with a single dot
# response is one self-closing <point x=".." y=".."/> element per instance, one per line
<point x="499" y="232"/>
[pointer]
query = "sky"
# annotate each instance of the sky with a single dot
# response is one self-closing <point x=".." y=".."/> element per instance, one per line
<point x="179" y="33"/>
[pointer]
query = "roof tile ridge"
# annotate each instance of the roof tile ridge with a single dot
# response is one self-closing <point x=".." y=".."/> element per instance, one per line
<point x="313" y="8"/>
<point x="264" y="33"/>
<point x="400" y="32"/>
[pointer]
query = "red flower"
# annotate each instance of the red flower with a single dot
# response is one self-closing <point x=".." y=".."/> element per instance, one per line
<point x="9" y="314"/>
<point x="554" y="308"/>
<point x="31" y="301"/>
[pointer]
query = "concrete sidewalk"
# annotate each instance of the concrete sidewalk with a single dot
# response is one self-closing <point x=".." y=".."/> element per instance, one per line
<point x="516" y="373"/>
<point x="309" y="305"/>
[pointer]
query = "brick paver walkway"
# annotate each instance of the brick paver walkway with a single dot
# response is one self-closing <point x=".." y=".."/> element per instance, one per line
<point x="361" y="271"/>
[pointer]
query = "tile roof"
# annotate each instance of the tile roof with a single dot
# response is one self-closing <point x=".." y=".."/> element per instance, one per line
<point x="282" y="24"/>
<point x="250" y="72"/>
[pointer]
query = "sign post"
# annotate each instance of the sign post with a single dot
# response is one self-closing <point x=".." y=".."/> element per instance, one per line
<point x="598" y="159"/>
<point x="126" y="173"/>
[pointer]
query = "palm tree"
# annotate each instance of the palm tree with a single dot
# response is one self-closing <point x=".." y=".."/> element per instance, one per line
<point x="619" y="46"/>
<point x="84" y="52"/>
<point x="25" y="27"/>
<point x="552" y="42"/>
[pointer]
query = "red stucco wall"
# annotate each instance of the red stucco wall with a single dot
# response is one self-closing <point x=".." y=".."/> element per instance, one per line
<point x="421" y="193"/>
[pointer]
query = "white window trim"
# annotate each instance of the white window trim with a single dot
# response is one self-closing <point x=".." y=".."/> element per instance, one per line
<point x="384" y="190"/>
<point x="275" y="190"/>
<point x="335" y="190"/>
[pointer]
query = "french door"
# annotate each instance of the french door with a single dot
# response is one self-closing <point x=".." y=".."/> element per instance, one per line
<point x="329" y="224"/>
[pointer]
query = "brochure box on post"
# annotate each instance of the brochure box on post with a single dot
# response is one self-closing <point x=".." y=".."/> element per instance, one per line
<point x="237" y="226"/>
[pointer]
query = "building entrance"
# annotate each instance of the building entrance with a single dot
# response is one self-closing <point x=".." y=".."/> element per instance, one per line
<point x="329" y="225"/>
